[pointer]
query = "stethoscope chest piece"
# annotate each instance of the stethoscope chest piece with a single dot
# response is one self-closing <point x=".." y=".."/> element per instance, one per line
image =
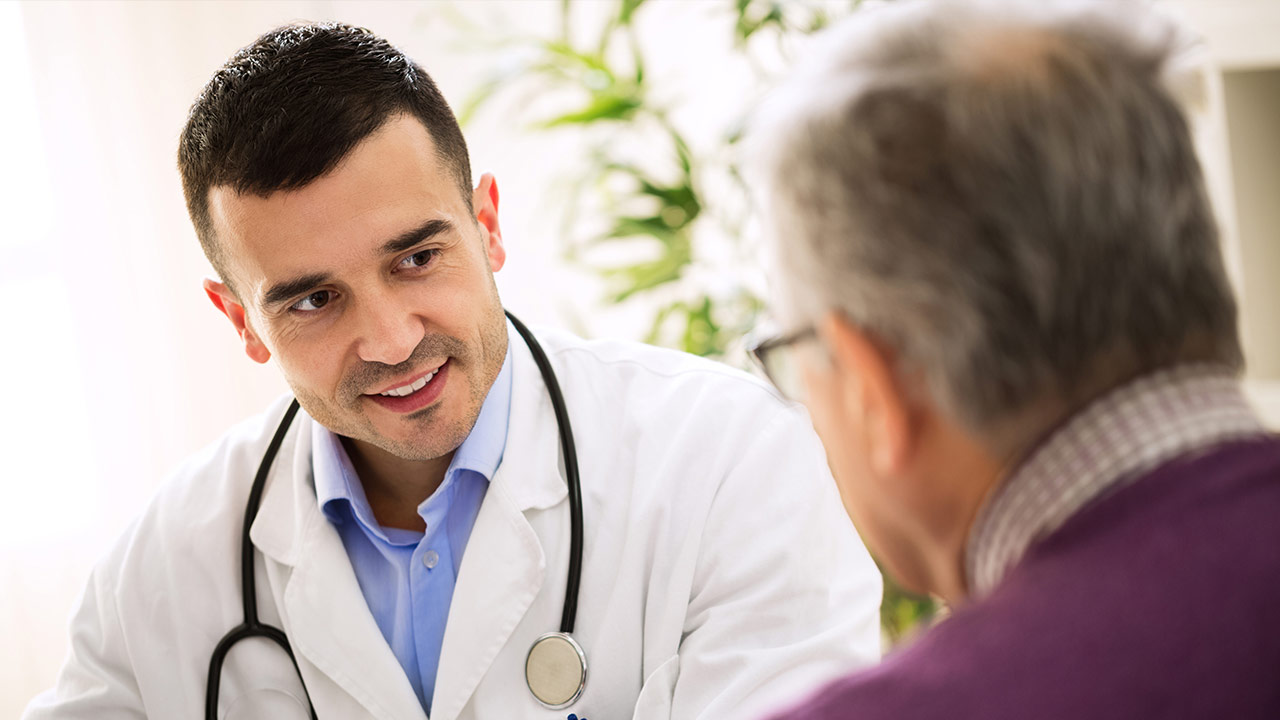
<point x="556" y="670"/>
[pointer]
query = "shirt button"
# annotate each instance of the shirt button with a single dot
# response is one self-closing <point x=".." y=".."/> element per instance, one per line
<point x="430" y="558"/>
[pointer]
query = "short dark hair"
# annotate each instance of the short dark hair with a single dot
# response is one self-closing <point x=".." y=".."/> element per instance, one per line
<point x="287" y="109"/>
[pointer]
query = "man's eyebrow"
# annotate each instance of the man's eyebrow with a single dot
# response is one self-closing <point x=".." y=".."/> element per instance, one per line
<point x="289" y="289"/>
<point x="408" y="239"/>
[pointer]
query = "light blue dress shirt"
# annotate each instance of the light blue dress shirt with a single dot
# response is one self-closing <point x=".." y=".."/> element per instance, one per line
<point x="407" y="577"/>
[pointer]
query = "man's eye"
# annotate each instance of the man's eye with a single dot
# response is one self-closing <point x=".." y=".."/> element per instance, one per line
<point x="313" y="302"/>
<point x="419" y="259"/>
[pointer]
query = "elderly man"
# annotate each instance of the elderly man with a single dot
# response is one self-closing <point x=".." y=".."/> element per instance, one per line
<point x="464" y="519"/>
<point x="1009" y="317"/>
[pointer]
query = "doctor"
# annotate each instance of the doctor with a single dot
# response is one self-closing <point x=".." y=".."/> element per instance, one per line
<point x="414" y="535"/>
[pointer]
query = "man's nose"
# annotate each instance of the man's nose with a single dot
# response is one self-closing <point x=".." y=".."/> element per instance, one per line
<point x="388" y="331"/>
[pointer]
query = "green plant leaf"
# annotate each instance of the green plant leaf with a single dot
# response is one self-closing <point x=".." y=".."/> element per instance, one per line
<point x="677" y="202"/>
<point x="902" y="612"/>
<point x="683" y="154"/>
<point x="590" y="61"/>
<point x="639" y="277"/>
<point x="654" y="226"/>
<point x="750" y="19"/>
<point x="628" y="10"/>
<point x="603" y="106"/>
<point x="702" y="334"/>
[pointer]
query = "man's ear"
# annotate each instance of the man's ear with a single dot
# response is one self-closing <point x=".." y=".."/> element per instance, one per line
<point x="871" y="388"/>
<point x="228" y="305"/>
<point x="485" y="202"/>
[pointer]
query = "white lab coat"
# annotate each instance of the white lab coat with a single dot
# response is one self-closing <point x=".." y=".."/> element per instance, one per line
<point x="720" y="576"/>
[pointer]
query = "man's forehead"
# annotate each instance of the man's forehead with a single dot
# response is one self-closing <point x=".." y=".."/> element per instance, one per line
<point x="387" y="184"/>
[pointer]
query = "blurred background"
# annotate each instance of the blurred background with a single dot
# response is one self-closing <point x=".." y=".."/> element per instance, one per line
<point x="611" y="126"/>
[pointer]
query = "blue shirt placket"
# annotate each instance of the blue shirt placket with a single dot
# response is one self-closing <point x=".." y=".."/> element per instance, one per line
<point x="410" y="601"/>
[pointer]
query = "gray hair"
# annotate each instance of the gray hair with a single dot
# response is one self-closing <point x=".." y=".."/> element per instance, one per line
<point x="1006" y="195"/>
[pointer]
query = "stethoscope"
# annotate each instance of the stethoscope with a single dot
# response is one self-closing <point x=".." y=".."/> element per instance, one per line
<point x="556" y="667"/>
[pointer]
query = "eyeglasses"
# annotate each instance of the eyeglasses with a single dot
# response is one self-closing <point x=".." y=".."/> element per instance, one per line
<point x="777" y="358"/>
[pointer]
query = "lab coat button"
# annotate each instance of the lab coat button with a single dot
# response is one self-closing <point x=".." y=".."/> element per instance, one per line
<point x="430" y="558"/>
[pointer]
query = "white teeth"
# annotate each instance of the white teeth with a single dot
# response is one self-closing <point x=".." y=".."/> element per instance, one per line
<point x="412" y="387"/>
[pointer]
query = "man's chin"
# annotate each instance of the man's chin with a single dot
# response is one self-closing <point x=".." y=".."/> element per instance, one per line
<point x="418" y="446"/>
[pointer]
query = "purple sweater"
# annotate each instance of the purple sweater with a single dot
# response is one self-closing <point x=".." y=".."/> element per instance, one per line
<point x="1161" y="600"/>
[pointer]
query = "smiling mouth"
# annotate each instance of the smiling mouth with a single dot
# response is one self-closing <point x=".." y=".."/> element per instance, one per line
<point x="414" y="395"/>
<point x="412" y="387"/>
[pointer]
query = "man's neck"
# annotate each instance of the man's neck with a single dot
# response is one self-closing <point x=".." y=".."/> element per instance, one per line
<point x="956" y="474"/>
<point x="395" y="487"/>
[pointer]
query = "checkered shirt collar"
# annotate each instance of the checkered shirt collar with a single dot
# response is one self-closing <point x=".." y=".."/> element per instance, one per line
<point x="1112" y="442"/>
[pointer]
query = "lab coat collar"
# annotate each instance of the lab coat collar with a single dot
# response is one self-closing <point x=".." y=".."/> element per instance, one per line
<point x="322" y="609"/>
<point x="290" y="486"/>
<point x="532" y="470"/>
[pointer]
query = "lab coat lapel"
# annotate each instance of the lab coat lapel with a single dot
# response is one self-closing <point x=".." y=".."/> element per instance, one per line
<point x="323" y="610"/>
<point x="504" y="564"/>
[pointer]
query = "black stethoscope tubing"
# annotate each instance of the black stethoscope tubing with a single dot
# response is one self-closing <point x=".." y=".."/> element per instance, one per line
<point x="570" y="452"/>
<point x="253" y="627"/>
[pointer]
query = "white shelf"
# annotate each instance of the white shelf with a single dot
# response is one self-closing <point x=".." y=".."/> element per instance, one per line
<point x="1241" y="34"/>
<point x="1237" y="122"/>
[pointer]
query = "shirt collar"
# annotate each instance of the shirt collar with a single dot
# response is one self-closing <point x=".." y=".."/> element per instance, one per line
<point x="481" y="452"/>
<point x="336" y="480"/>
<point x="1112" y="442"/>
